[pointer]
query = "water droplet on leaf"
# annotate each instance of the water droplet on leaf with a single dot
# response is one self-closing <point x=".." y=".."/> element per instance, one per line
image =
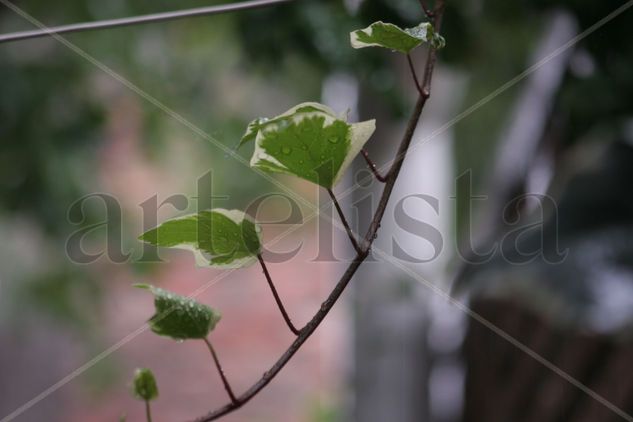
<point x="286" y="150"/>
<point x="333" y="139"/>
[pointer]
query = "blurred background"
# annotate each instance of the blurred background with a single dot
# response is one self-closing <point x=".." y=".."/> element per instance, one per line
<point x="521" y="167"/>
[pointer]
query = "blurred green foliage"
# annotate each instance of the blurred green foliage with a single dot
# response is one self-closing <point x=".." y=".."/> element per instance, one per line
<point x="324" y="411"/>
<point x="54" y="112"/>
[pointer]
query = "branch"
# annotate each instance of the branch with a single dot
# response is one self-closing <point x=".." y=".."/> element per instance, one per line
<point x="415" y="76"/>
<point x="428" y="12"/>
<point x="349" y="231"/>
<point x="294" y="330"/>
<point x="306" y="332"/>
<point x="227" y="386"/>
<point x="372" y="166"/>
<point x="327" y="305"/>
<point x="417" y="111"/>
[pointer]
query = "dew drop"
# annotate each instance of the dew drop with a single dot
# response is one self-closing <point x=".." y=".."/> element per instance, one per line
<point x="333" y="139"/>
<point x="286" y="150"/>
<point x="180" y="341"/>
<point x="304" y="147"/>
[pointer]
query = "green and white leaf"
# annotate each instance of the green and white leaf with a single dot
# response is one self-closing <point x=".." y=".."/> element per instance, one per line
<point x="387" y="35"/>
<point x="144" y="384"/>
<point x="218" y="238"/>
<point x="180" y="317"/>
<point x="309" y="141"/>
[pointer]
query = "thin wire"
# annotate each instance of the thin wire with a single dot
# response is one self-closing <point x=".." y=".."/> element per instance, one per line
<point x="134" y="20"/>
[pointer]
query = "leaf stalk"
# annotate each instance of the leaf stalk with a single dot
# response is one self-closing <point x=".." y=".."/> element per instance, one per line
<point x="348" y="229"/>
<point x="227" y="386"/>
<point x="280" y="304"/>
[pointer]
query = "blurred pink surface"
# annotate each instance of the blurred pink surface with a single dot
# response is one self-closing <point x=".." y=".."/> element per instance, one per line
<point x="250" y="337"/>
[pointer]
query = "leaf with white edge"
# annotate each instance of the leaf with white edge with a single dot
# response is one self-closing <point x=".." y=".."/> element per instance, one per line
<point x="145" y="387"/>
<point x="218" y="238"/>
<point x="309" y="141"/>
<point x="180" y="317"/>
<point x="387" y="35"/>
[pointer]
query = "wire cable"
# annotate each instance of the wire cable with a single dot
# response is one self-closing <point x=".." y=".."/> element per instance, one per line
<point x="143" y="19"/>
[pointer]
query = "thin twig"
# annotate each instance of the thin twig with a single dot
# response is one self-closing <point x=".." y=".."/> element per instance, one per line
<point x="280" y="305"/>
<point x="372" y="166"/>
<point x="134" y="20"/>
<point x="306" y="332"/>
<point x="349" y="231"/>
<point x="327" y="305"/>
<point x="148" y="411"/>
<point x="424" y="96"/>
<point x="428" y="12"/>
<point x="415" y="76"/>
<point x="227" y="386"/>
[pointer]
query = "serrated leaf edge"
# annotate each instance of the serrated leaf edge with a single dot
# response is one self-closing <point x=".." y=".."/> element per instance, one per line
<point x="200" y="259"/>
<point x="359" y="134"/>
<point x="255" y="126"/>
<point x="158" y="291"/>
<point x="414" y="33"/>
